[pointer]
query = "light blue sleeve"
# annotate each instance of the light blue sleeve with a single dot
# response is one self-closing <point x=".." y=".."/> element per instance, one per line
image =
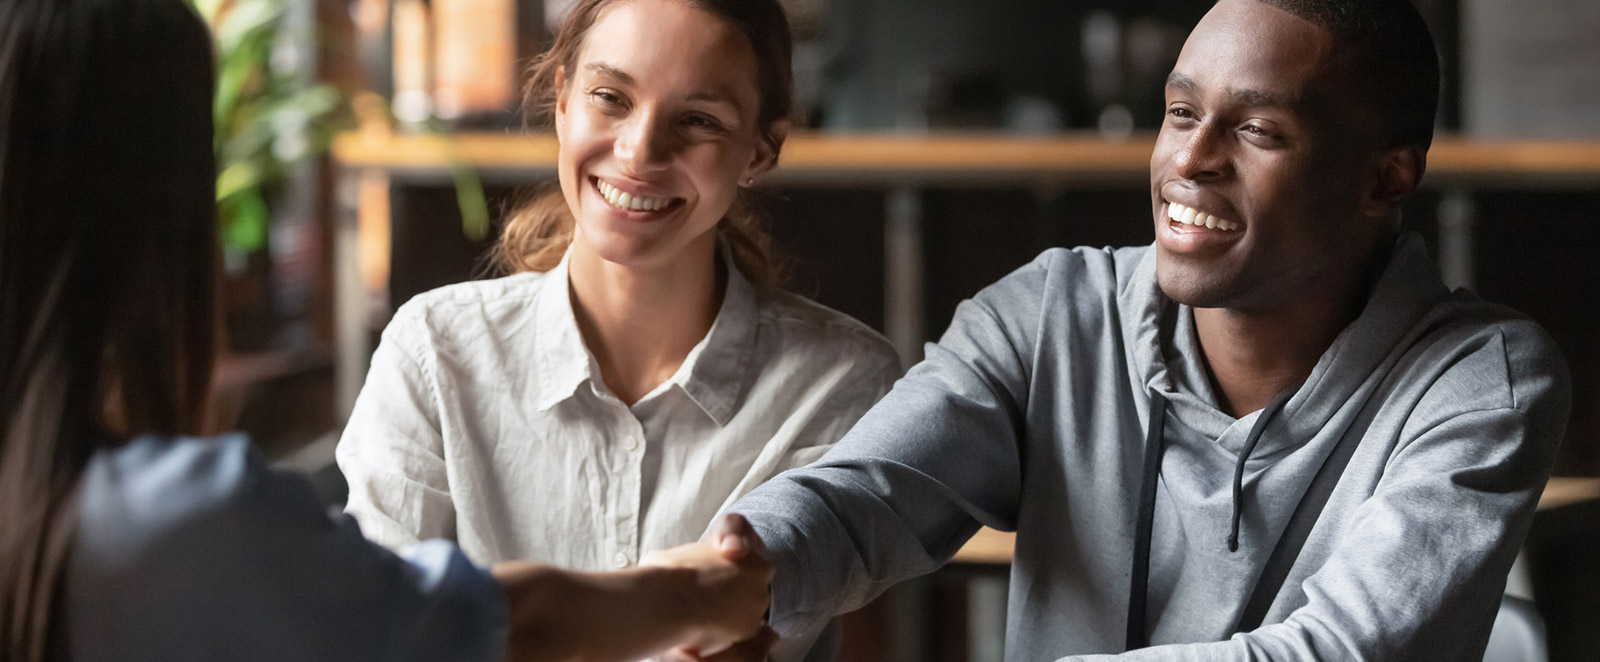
<point x="194" y="550"/>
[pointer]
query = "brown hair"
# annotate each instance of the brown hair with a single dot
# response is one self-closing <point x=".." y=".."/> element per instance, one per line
<point x="107" y="257"/>
<point x="537" y="235"/>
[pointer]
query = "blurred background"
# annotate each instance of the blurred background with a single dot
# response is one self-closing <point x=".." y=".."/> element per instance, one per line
<point x="368" y="149"/>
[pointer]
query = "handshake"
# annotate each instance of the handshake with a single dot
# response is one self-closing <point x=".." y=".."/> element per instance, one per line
<point x="701" y="602"/>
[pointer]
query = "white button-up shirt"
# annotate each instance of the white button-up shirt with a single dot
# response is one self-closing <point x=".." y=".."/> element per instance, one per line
<point x="484" y="420"/>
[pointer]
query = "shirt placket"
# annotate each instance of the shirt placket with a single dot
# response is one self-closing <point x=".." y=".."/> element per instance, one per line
<point x="627" y="466"/>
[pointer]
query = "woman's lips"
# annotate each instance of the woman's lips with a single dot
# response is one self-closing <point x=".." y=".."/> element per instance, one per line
<point x="629" y="202"/>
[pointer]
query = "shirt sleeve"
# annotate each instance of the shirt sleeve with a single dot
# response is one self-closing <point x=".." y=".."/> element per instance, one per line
<point x="195" y="551"/>
<point x="866" y="383"/>
<point x="1419" y="570"/>
<point x="914" y="479"/>
<point x="392" y="451"/>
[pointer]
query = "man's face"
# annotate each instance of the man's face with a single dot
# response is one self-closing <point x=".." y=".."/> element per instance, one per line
<point x="1260" y="166"/>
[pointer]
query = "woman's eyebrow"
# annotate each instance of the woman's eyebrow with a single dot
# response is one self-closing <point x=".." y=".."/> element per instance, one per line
<point x="607" y="71"/>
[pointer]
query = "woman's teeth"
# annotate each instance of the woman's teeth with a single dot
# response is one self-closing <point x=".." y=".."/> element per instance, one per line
<point x="1192" y="216"/>
<point x="628" y="200"/>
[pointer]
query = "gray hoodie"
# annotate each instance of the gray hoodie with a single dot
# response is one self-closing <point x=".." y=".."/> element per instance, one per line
<point x="1434" y="415"/>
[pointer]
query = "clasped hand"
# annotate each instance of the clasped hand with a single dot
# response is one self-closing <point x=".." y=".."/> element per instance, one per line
<point x="731" y="588"/>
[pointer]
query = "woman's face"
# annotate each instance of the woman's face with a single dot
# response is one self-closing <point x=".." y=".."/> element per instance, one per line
<point x="658" y="128"/>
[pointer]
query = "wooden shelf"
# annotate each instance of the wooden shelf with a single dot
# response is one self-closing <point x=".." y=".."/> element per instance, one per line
<point x="995" y="547"/>
<point x="967" y="159"/>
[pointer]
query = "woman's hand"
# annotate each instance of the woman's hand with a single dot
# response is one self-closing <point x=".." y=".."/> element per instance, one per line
<point x="731" y="583"/>
<point x="708" y="600"/>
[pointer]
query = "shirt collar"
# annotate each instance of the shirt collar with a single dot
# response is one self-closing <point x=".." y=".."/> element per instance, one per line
<point x="564" y="363"/>
<point x="712" y="374"/>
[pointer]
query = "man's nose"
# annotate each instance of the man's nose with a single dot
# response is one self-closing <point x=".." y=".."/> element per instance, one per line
<point x="1204" y="154"/>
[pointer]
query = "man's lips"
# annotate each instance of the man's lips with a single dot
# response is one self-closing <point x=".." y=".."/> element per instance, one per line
<point x="1187" y="215"/>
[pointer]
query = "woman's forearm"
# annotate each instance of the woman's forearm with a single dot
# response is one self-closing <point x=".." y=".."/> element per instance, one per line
<point x="557" y="615"/>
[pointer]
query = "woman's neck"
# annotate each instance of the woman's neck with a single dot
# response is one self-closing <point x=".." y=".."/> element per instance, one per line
<point x="642" y="322"/>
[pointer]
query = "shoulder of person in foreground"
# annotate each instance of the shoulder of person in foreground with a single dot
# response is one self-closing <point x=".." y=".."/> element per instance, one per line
<point x="193" y="549"/>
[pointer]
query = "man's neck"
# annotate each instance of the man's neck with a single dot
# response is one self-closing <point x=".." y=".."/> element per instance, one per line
<point x="1253" y="357"/>
<point x="642" y="324"/>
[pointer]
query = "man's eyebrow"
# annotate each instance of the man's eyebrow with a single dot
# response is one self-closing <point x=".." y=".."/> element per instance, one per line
<point x="1249" y="98"/>
<point x="1182" y="83"/>
<point x="1260" y="99"/>
<point x="608" y="71"/>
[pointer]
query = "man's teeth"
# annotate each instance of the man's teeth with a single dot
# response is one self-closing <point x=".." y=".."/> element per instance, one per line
<point x="1192" y="216"/>
<point x="628" y="200"/>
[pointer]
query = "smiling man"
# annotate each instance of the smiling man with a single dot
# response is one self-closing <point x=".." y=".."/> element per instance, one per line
<point x="1273" y="434"/>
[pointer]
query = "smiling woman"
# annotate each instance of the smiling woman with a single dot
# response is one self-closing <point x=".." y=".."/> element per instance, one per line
<point x="640" y="369"/>
<point x="537" y="236"/>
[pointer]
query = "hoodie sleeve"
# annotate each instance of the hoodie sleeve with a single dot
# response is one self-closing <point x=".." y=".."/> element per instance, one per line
<point x="1419" y="570"/>
<point x="914" y="479"/>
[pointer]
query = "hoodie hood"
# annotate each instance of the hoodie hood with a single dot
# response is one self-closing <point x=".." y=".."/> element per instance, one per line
<point x="1165" y="356"/>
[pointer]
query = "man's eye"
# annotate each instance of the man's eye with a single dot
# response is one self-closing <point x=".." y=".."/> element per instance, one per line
<point x="1180" y="112"/>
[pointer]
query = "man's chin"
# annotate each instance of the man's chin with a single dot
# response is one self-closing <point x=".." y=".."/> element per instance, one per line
<point x="1191" y="289"/>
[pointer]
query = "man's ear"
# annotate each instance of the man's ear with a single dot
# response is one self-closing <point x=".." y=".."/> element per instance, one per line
<point x="1399" y="172"/>
<point x="561" y="99"/>
<point x="767" y="148"/>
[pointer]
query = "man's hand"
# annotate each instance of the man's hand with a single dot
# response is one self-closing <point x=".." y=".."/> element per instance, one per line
<point x="754" y="649"/>
<point x="728" y="593"/>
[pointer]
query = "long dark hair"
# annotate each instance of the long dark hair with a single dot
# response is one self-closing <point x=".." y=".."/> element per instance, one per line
<point x="536" y="235"/>
<point x="107" y="261"/>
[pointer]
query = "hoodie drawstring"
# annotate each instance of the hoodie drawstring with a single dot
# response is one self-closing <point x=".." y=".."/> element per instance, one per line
<point x="1250" y="442"/>
<point x="1155" y="449"/>
<point x="1137" y="591"/>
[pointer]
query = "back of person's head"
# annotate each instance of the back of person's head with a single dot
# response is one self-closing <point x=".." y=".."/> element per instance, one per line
<point x="1391" y="60"/>
<point x="107" y="256"/>
<point x="537" y="235"/>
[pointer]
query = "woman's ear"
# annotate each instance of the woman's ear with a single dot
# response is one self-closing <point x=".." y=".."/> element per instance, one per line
<point x="1399" y="172"/>
<point x="767" y="148"/>
<point x="561" y="99"/>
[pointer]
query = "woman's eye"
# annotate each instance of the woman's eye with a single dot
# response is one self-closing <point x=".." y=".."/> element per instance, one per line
<point x="701" y="122"/>
<point x="606" y="98"/>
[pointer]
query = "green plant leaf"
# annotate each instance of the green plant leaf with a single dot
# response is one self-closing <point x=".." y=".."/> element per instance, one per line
<point x="245" y="228"/>
<point x="248" y="18"/>
<point x="236" y="177"/>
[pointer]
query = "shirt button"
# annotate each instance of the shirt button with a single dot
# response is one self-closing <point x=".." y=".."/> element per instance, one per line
<point x="620" y="559"/>
<point x="632" y="443"/>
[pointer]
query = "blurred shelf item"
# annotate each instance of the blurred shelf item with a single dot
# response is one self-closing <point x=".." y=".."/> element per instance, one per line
<point x="1564" y="491"/>
<point x="989" y="546"/>
<point x="1069" y="159"/>
<point x="282" y="399"/>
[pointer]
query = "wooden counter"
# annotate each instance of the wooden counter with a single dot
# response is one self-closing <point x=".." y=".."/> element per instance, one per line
<point x="994" y="547"/>
<point x="970" y="159"/>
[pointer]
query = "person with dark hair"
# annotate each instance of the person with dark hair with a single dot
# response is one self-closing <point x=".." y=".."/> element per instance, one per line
<point x="121" y="538"/>
<point x="641" y="368"/>
<point x="1273" y="434"/>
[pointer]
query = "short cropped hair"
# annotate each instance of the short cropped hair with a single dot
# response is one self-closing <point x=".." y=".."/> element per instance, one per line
<point x="1393" y="57"/>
